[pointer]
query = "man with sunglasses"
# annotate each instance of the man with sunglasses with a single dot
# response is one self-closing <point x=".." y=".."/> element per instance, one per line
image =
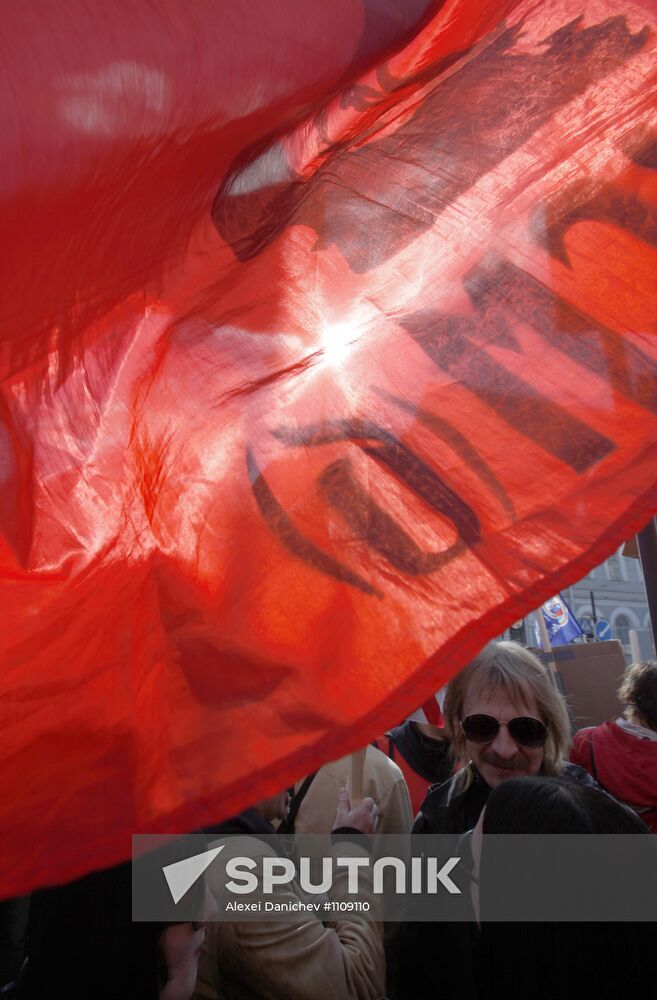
<point x="505" y="719"/>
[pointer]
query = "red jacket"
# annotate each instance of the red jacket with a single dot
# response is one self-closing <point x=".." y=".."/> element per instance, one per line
<point x="623" y="763"/>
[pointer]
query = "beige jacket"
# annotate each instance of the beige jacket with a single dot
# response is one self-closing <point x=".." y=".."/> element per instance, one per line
<point x="382" y="780"/>
<point x="301" y="958"/>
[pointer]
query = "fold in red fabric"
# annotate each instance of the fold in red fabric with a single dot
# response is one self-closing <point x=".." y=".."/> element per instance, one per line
<point x="328" y="350"/>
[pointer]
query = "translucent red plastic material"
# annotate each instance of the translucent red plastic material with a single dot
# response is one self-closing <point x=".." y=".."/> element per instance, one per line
<point x="327" y="350"/>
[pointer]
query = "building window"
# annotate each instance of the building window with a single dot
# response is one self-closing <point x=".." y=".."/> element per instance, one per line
<point x="614" y="567"/>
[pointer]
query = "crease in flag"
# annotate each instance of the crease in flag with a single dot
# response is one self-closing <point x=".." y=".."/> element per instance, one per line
<point x="314" y="377"/>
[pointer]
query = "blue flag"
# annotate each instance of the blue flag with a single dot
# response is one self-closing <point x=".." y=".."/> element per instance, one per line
<point x="562" y="626"/>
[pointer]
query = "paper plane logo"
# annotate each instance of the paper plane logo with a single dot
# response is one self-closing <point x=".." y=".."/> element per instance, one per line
<point x="182" y="875"/>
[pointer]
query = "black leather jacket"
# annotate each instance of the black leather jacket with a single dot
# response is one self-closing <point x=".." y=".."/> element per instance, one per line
<point x="447" y="809"/>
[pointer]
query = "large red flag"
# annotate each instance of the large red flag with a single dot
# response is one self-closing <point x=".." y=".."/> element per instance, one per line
<point x="328" y="349"/>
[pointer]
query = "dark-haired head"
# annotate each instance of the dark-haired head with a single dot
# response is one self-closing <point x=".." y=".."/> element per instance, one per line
<point x="530" y="867"/>
<point x="556" y="805"/>
<point x="566" y="898"/>
<point x="638" y="694"/>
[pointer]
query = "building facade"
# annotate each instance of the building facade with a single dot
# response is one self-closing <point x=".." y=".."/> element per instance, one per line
<point x="617" y="590"/>
<point x="614" y="592"/>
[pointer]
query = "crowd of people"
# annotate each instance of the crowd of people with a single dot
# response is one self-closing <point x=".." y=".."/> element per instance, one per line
<point x="502" y="762"/>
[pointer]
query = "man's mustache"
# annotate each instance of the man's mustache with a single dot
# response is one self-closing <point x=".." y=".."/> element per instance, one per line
<point x="516" y="763"/>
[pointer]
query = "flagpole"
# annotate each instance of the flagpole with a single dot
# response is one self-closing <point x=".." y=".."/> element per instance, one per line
<point x="647" y="539"/>
<point x="546" y="646"/>
<point x="356" y="776"/>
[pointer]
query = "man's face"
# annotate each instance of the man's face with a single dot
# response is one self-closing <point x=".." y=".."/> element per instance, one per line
<point x="502" y="757"/>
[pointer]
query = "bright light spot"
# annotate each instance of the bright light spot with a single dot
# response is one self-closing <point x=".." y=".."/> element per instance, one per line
<point x="123" y="98"/>
<point x="269" y="168"/>
<point x="337" y="338"/>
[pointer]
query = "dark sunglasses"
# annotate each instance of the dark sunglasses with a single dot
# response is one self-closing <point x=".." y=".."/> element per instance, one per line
<point x="527" y="732"/>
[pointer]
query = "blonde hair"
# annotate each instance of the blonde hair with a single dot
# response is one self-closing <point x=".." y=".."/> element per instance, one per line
<point x="509" y="665"/>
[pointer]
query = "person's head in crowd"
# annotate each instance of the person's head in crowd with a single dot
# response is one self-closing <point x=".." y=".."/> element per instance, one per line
<point x="165" y="959"/>
<point x="179" y="949"/>
<point x="82" y="943"/>
<point x="555" y="805"/>
<point x="547" y="805"/>
<point x="275" y="807"/>
<point x="638" y="694"/>
<point x="166" y="954"/>
<point x="504" y="716"/>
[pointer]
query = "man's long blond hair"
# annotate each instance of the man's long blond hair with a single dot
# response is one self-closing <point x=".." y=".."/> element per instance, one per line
<point x="512" y="667"/>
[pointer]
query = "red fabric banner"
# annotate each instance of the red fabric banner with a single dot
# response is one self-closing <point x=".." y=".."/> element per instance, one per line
<point x="328" y="350"/>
